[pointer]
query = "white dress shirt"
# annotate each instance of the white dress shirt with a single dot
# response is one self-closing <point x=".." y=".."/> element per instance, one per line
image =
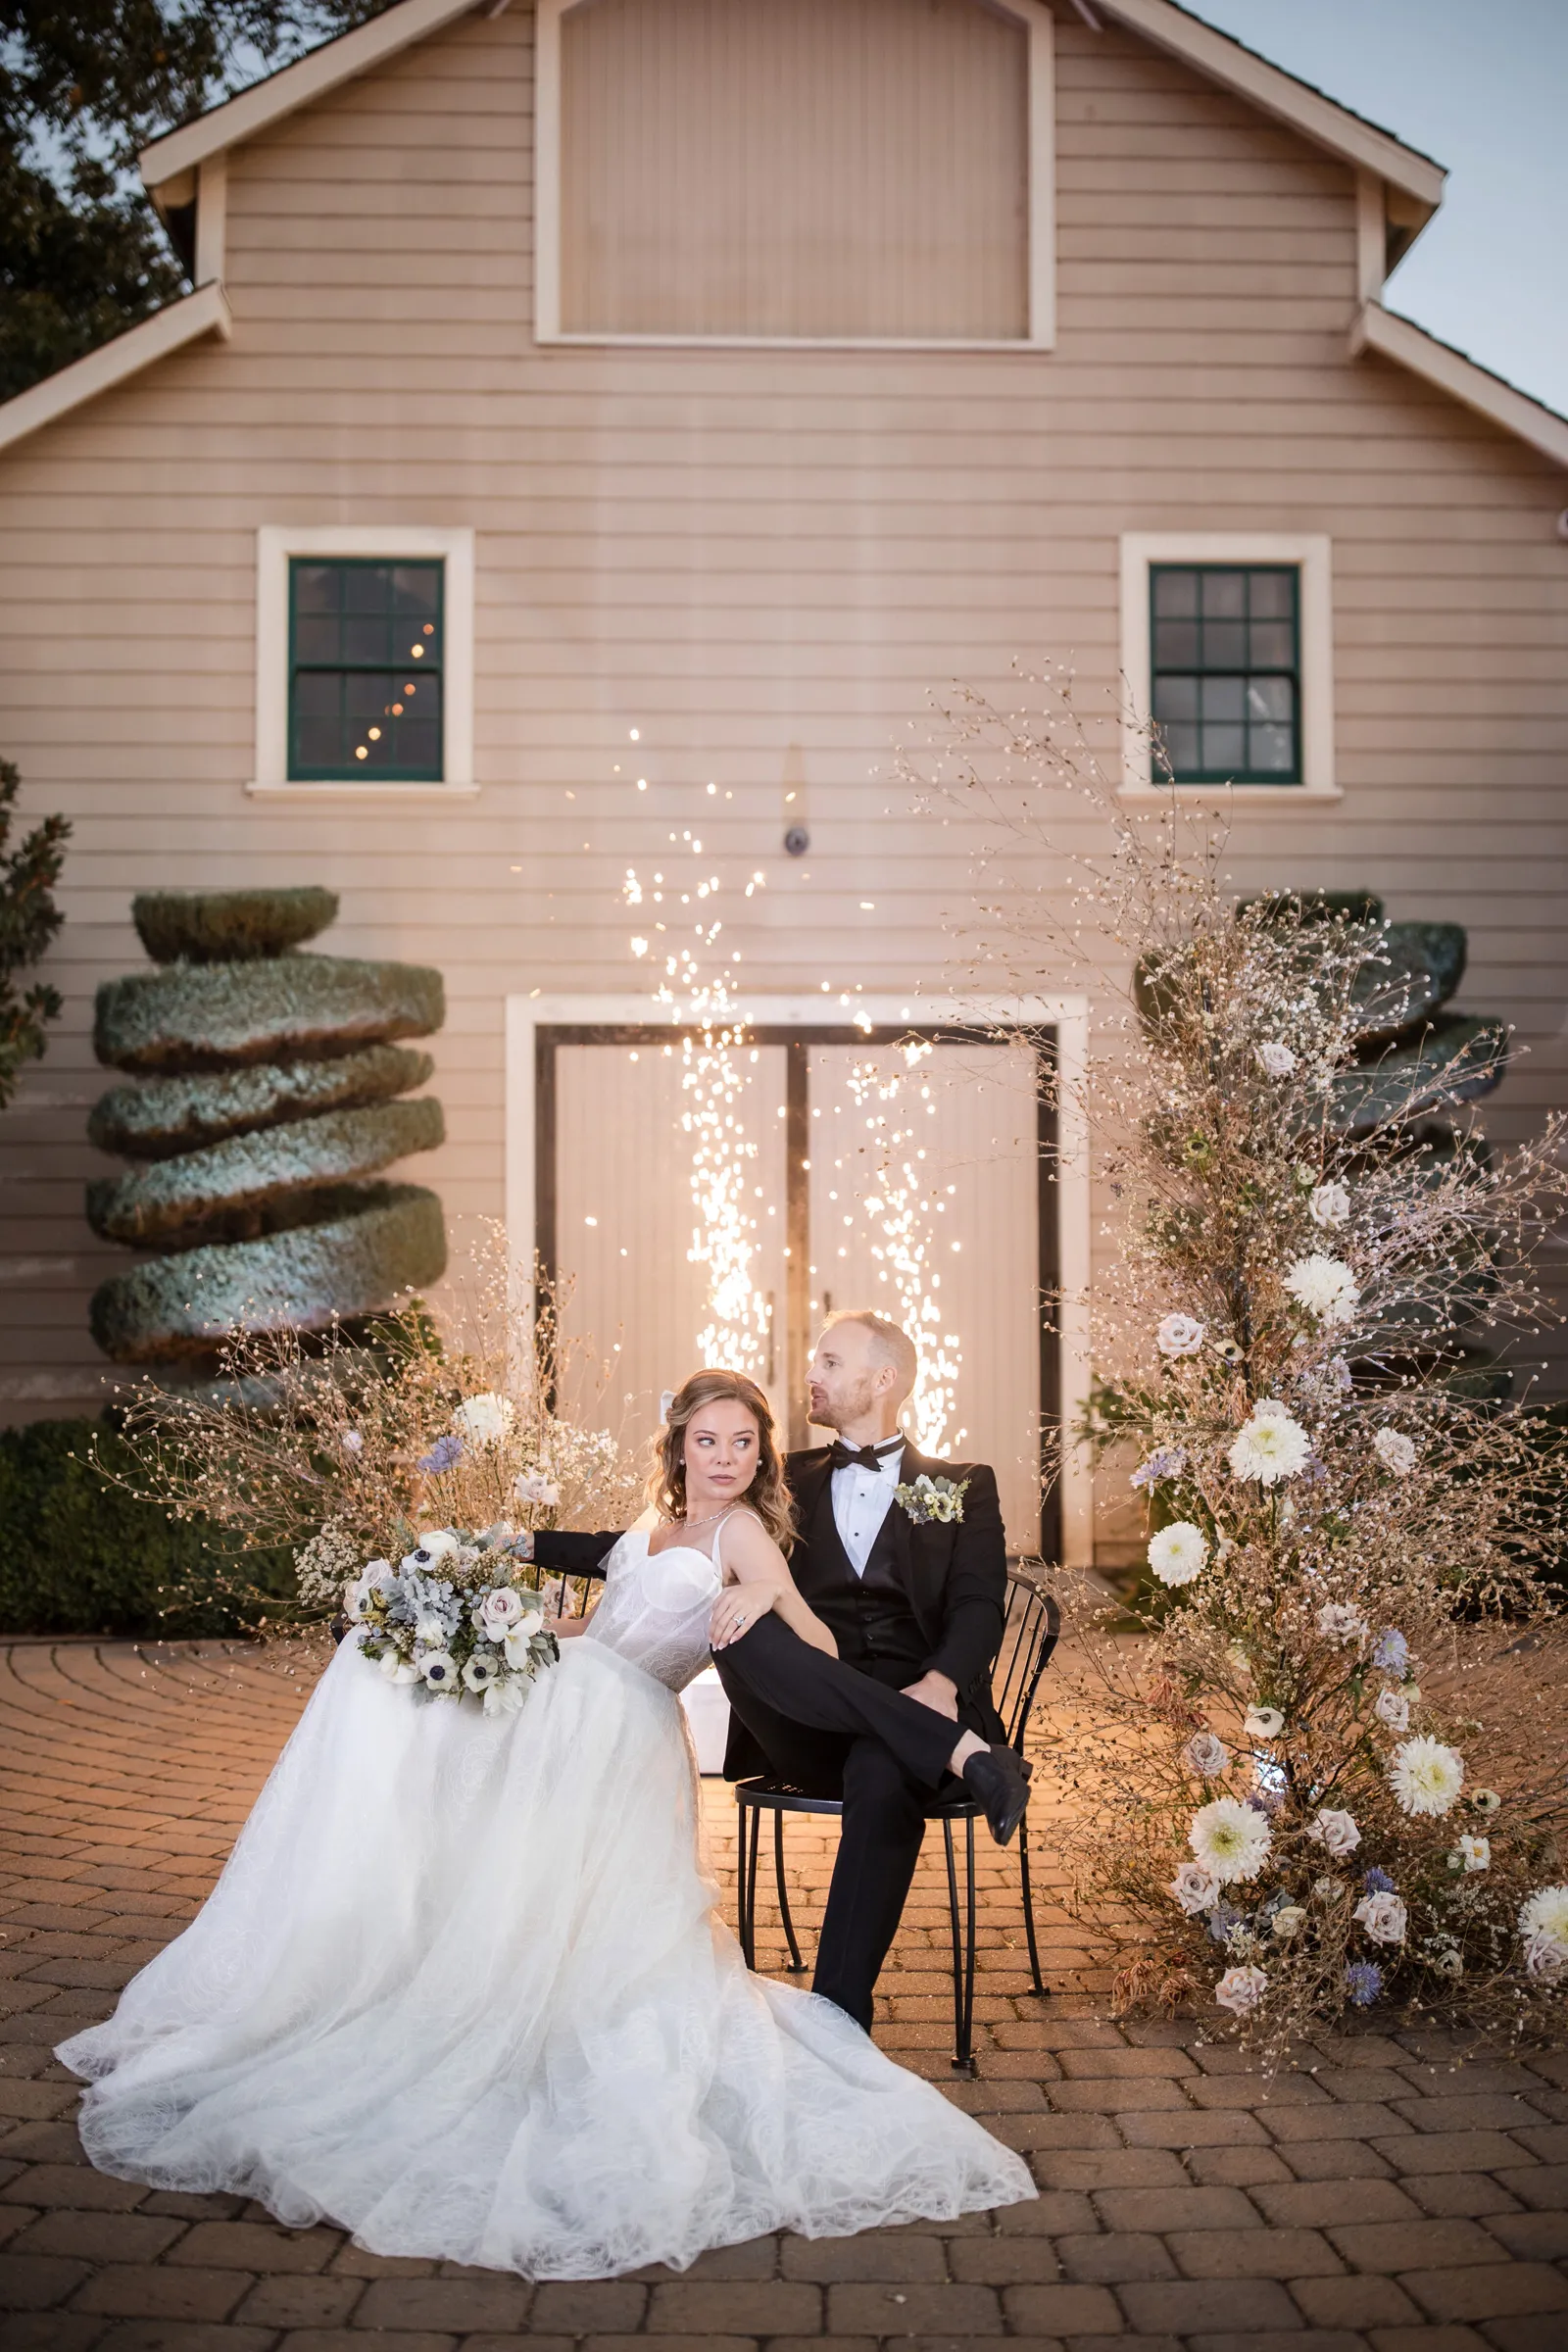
<point x="862" y="1500"/>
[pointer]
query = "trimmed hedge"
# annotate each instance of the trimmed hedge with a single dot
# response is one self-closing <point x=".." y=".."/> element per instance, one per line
<point x="163" y="1116"/>
<point x="152" y="1203"/>
<point x="80" y="1556"/>
<point x="380" y="1240"/>
<point x="279" y="1007"/>
<point x="228" y="926"/>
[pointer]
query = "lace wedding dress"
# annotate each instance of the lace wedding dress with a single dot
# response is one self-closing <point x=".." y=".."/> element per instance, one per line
<point x="462" y="1988"/>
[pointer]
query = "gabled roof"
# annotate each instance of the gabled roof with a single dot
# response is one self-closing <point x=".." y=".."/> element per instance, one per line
<point x="1316" y="116"/>
<point x="1452" y="371"/>
<point x="204" y="312"/>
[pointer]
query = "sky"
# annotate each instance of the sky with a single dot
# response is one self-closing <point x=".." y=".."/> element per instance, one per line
<point x="1482" y="86"/>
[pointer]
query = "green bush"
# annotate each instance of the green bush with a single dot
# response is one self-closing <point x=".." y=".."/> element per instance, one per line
<point x="164" y="1117"/>
<point x="80" y="1555"/>
<point x="228" y="926"/>
<point x="184" y="1017"/>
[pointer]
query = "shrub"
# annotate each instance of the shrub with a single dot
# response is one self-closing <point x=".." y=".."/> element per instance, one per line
<point x="80" y="1555"/>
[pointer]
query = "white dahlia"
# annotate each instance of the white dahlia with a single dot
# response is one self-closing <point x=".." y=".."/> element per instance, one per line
<point x="1240" y="1989"/>
<point x="1230" y="1839"/>
<point x="1398" y="1452"/>
<point x="1269" y="1446"/>
<point x="1178" y="1553"/>
<point x="1325" y="1286"/>
<point x="1545" y="1915"/>
<point x="1425" y="1776"/>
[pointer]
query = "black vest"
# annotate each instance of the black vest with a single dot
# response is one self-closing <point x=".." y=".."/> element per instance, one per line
<point x="870" y="1616"/>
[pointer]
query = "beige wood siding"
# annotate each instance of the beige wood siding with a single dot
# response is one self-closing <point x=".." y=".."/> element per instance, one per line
<point x="827" y="167"/>
<point x="762" y="561"/>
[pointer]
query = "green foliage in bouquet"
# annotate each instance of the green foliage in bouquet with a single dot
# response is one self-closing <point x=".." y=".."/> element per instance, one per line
<point x="265" y="1117"/>
<point x="1285" y="1806"/>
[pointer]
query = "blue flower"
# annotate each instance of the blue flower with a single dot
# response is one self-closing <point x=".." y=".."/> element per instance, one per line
<point x="1378" y="1881"/>
<point x="1391" y="1653"/>
<point x="1221" y="1919"/>
<point x="1363" y="1981"/>
<point x="1166" y="1461"/>
<point x="442" y="1455"/>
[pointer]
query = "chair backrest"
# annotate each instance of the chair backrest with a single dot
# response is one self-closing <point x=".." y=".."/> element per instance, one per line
<point x="1030" y="1634"/>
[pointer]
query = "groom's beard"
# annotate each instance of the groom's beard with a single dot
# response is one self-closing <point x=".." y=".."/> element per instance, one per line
<point x="833" y="1415"/>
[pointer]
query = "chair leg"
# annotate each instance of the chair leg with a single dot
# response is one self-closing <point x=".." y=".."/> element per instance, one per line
<point x="749" y="1826"/>
<point x="796" y="1962"/>
<point x="962" y="1956"/>
<point x="964" y="2063"/>
<point x="1029" y="1906"/>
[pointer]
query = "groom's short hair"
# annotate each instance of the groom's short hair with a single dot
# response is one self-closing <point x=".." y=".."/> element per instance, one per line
<point x="893" y="1343"/>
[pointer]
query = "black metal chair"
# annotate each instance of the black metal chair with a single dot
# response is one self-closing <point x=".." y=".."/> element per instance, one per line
<point x="1033" y="1626"/>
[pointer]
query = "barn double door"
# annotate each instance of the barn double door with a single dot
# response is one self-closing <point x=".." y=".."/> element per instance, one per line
<point x="833" y="1170"/>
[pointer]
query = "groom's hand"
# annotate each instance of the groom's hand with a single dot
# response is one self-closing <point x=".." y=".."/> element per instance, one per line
<point x="934" y="1690"/>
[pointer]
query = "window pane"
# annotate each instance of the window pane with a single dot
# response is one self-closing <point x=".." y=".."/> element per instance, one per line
<point x="1224" y="595"/>
<point x="366" y="587"/>
<point x="1224" y="750"/>
<point x="316" y="587"/>
<point x="364" y="638"/>
<point x="1175" y="593"/>
<point x="1271" y="750"/>
<point x="351" y="713"/>
<point x="1269" y="698"/>
<point x="1175" y="698"/>
<point x="1224" y="644"/>
<point x="1272" y="644"/>
<point x="1222" y="698"/>
<point x="317" y="638"/>
<point x="1273" y="595"/>
<point x="1176" y="644"/>
<point x="1181" y="750"/>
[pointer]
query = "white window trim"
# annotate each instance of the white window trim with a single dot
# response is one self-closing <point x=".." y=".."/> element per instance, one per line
<point x="1069" y="1016"/>
<point x="1312" y="553"/>
<point x="275" y="543"/>
<point x="1041" y="27"/>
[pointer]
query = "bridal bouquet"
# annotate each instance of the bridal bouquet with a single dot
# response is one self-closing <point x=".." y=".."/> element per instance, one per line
<point x="450" y="1621"/>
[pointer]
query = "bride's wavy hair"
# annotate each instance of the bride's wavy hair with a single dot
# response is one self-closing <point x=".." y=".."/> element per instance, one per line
<point x="768" y="1494"/>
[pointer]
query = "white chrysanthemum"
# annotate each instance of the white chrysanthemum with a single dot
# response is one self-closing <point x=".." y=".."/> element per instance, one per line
<point x="1425" y="1776"/>
<point x="1240" y="1989"/>
<point x="1195" y="1889"/>
<point x="1179" y="1335"/>
<point x="484" y="1420"/>
<point x="1383" y="1917"/>
<point x="1392" y="1447"/>
<point x="1325" y="1286"/>
<point x="1335" y="1830"/>
<point x="1393" y="1708"/>
<point x="1270" y="1445"/>
<point x="1208" y="1754"/>
<point x="1275" y="1059"/>
<point x="1178" y="1553"/>
<point x="1545" y="1915"/>
<point x="1338" y="1621"/>
<point x="1230" y="1839"/>
<point x="1330" y="1205"/>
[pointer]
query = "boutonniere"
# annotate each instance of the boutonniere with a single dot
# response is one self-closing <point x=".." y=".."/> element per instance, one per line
<point x="932" y="1499"/>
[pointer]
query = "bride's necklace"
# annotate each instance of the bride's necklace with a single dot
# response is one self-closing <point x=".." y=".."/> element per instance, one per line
<point x="708" y="1522"/>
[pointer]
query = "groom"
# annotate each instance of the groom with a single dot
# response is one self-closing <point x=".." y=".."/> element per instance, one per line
<point x="916" y="1605"/>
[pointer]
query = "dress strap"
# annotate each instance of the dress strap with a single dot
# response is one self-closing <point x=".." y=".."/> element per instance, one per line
<point x="734" y="1511"/>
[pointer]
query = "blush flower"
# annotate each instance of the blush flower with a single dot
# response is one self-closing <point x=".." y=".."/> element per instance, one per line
<point x="1425" y="1776"/>
<point x="1288" y="1921"/>
<point x="1240" y="1989"/>
<point x="1178" y="1553"/>
<point x="1275" y="1059"/>
<point x="1269" y="1446"/>
<point x="532" y="1486"/>
<point x="1195" y="1889"/>
<point x="1179" y="1335"/>
<point x="1325" y="1286"/>
<point x="499" y="1611"/>
<point x="1335" y="1831"/>
<point x="1230" y="1839"/>
<point x="1328" y="1205"/>
<point x="1383" y="1917"/>
<point x="1208" y="1756"/>
<point x="1395" y="1450"/>
<point x="1393" y="1708"/>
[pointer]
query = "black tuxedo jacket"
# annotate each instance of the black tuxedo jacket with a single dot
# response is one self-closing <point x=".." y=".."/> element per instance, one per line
<point x="954" y="1573"/>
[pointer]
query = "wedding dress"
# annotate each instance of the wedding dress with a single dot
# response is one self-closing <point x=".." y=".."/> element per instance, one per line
<point x="463" y="1989"/>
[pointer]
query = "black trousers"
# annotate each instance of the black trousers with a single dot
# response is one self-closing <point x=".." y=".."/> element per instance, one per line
<point x="834" y="1730"/>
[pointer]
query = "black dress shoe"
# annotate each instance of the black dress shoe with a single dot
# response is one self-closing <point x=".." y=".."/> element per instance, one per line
<point x="999" y="1780"/>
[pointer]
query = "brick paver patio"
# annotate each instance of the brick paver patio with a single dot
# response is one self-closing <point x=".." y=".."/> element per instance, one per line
<point x="1380" y="2195"/>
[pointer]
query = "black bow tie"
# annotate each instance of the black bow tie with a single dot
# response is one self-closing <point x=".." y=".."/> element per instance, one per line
<point x="861" y="1458"/>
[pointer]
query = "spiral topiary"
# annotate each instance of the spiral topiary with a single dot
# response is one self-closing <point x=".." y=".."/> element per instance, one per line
<point x="265" y="1113"/>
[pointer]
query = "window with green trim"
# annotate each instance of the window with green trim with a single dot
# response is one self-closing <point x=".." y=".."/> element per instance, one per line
<point x="1226" y="641"/>
<point x="365" y="642"/>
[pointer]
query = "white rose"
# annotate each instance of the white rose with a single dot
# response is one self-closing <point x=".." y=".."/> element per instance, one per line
<point x="1336" y="1830"/>
<point x="1275" y="1059"/>
<point x="484" y="1420"/>
<point x="397" y="1670"/>
<point x="1383" y="1916"/>
<point x="1336" y="1621"/>
<point x="437" y="1543"/>
<point x="499" y="1612"/>
<point x="1179" y="1335"/>
<point x="1195" y="1889"/>
<point x="1330" y="1205"/>
<point x="1177" y="1554"/>
<point x="1240" y="1989"/>
<point x="430" y="1632"/>
<point x="1392" y="1447"/>
<point x="1325" y="1286"/>
<point x="1208" y="1756"/>
<point x="1393" y="1708"/>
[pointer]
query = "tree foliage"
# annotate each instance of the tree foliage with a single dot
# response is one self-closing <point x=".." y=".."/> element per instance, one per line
<point x="83" y="84"/>
<point x="29" y="921"/>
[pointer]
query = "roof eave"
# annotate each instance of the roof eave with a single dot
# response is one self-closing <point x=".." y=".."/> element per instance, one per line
<point x="1410" y="346"/>
<point x="204" y="312"/>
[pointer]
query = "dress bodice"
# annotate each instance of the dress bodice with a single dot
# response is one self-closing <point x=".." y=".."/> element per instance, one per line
<point x="655" y="1607"/>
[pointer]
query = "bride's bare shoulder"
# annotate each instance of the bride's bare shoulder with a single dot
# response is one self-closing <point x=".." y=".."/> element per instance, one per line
<point x="746" y="1545"/>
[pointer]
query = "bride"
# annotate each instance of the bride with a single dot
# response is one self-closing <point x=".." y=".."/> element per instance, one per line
<point x="462" y="1986"/>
